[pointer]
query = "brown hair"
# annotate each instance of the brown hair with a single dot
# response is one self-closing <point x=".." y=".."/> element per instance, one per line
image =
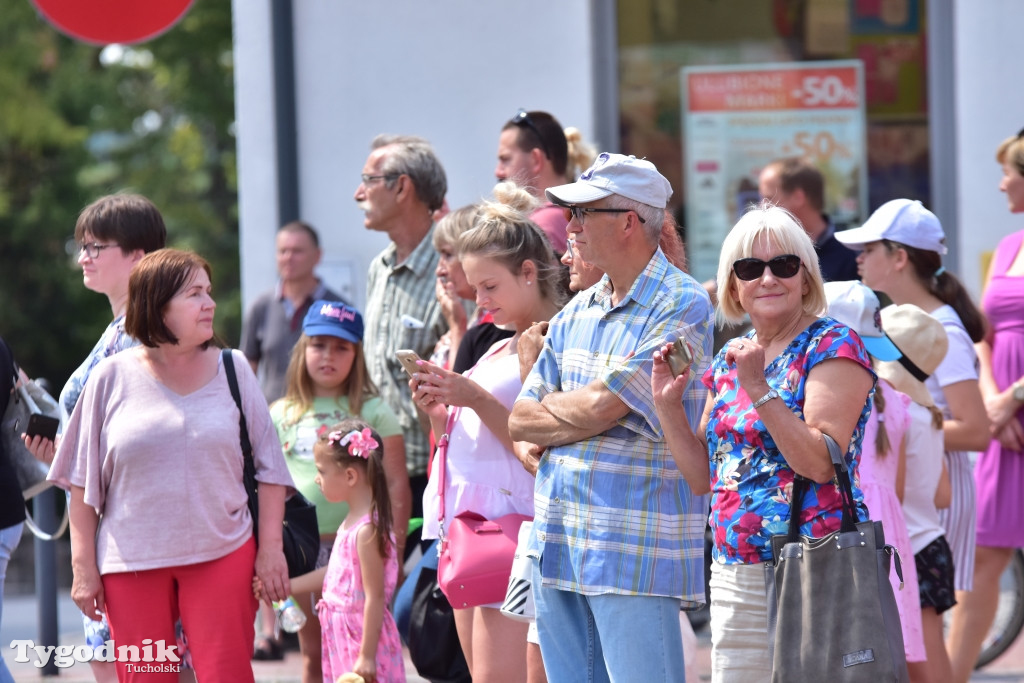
<point x="130" y="220"/>
<point x="300" y="393"/>
<point x="545" y="133"/>
<point x="943" y="285"/>
<point x="302" y="227"/>
<point x="154" y="281"/>
<point x="671" y="243"/>
<point x="376" y="476"/>
<point x="882" y="444"/>
<point x="796" y="173"/>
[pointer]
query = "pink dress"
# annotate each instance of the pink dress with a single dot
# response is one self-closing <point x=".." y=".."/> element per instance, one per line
<point x="999" y="472"/>
<point x="878" y="481"/>
<point x="341" y="612"/>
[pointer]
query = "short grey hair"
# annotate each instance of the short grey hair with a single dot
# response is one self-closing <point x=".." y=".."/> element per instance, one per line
<point x="413" y="156"/>
<point x="653" y="216"/>
<point x="766" y="221"/>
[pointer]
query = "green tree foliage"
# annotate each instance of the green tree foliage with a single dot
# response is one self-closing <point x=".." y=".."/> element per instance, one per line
<point x="79" y="121"/>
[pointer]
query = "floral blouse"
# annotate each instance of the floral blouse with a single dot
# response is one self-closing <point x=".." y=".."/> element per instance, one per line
<point x="750" y="479"/>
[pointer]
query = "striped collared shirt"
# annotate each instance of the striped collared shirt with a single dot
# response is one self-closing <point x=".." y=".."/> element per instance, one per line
<point x="613" y="513"/>
<point x="402" y="313"/>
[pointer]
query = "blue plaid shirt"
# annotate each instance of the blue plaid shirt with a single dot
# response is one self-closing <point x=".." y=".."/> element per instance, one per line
<point x="613" y="512"/>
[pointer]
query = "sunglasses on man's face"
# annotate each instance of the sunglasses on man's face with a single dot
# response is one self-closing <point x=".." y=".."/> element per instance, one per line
<point x="785" y="266"/>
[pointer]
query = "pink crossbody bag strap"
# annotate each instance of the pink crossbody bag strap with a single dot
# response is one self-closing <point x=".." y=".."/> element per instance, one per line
<point x="442" y="467"/>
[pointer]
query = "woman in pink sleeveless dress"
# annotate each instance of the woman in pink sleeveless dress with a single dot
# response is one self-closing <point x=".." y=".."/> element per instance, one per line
<point x="999" y="472"/>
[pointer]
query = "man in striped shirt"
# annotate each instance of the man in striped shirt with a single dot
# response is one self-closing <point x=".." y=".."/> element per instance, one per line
<point x="618" y="534"/>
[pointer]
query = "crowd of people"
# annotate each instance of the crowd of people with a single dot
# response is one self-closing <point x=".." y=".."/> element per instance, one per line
<point x="549" y="342"/>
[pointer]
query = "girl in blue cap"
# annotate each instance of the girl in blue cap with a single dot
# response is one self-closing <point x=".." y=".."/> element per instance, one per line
<point x="327" y="383"/>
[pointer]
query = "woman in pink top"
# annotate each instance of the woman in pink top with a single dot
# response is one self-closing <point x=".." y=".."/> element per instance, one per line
<point x="999" y="472"/>
<point x="509" y="263"/>
<point x="160" y="527"/>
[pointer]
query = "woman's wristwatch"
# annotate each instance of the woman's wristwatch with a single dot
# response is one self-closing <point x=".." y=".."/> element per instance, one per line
<point x="1018" y="391"/>
<point x="767" y="397"/>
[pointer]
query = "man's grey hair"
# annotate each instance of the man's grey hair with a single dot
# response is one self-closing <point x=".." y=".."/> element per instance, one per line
<point x="413" y="156"/>
<point x="653" y="217"/>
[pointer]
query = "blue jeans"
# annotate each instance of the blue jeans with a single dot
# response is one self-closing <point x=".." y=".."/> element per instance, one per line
<point x="9" y="538"/>
<point x="610" y="637"/>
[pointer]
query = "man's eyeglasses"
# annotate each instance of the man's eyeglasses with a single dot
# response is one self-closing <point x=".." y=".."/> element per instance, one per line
<point x="93" y="249"/>
<point x="579" y="212"/>
<point x="523" y="119"/>
<point x="785" y="266"/>
<point x="367" y="178"/>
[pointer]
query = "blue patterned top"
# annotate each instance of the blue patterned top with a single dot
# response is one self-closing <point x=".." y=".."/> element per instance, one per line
<point x="751" y="481"/>
<point x="113" y="340"/>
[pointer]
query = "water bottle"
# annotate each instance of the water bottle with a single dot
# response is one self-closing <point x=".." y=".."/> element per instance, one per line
<point x="290" y="616"/>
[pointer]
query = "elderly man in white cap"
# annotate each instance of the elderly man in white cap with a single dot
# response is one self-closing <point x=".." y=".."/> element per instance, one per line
<point x="618" y="535"/>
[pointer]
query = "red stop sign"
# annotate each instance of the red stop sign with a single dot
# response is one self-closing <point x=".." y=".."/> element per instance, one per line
<point x="112" y="21"/>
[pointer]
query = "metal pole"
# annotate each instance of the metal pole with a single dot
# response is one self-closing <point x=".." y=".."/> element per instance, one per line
<point x="942" y="124"/>
<point x="286" y="133"/>
<point x="45" y="515"/>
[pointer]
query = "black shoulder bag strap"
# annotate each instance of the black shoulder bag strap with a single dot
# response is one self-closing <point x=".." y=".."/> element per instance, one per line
<point x="248" y="464"/>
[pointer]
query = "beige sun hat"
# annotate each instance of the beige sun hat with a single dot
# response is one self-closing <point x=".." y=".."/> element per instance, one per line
<point x="922" y="340"/>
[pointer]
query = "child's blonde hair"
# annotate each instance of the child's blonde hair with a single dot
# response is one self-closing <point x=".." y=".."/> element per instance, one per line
<point x="300" y="393"/>
<point x="353" y="443"/>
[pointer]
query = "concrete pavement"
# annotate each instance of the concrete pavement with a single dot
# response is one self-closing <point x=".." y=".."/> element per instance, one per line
<point x="19" y="622"/>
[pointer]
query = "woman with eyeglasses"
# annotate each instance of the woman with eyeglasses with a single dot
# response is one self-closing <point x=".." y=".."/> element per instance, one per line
<point x="113" y="234"/>
<point x="999" y="471"/>
<point x="774" y="392"/>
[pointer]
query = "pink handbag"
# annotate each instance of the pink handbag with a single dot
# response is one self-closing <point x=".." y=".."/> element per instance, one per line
<point x="475" y="554"/>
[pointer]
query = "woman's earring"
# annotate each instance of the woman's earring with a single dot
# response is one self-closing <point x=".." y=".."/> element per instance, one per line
<point x="527" y="282"/>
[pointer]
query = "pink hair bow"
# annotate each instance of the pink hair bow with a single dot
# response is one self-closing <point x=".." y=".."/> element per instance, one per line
<point x="360" y="443"/>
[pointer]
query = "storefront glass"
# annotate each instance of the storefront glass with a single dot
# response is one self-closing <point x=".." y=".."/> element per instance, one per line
<point x="658" y="38"/>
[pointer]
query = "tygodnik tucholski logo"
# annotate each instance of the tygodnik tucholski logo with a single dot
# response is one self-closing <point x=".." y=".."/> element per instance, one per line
<point x="152" y="657"/>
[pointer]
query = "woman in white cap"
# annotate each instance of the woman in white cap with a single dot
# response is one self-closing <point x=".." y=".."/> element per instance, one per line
<point x="923" y="342"/>
<point x="999" y="472"/>
<point x="883" y="465"/>
<point x="901" y="247"/>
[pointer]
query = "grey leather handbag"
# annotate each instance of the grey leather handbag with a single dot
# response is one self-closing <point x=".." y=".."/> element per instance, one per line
<point x="831" y="608"/>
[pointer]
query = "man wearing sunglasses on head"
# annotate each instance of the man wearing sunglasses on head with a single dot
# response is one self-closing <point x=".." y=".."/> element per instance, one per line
<point x="533" y="153"/>
<point x="798" y="187"/>
<point x="618" y="534"/>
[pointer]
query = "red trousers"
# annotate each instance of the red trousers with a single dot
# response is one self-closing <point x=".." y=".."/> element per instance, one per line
<point x="216" y="606"/>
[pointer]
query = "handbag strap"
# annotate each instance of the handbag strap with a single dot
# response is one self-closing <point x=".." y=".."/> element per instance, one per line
<point x="248" y="464"/>
<point x="841" y="480"/>
<point x="442" y="467"/>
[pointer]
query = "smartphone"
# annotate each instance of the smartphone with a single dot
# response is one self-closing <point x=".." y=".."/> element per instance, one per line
<point x="408" y="360"/>
<point x="680" y="357"/>
<point x="42" y="425"/>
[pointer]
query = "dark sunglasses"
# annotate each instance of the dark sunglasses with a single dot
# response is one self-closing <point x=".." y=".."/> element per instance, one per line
<point x="523" y="119"/>
<point x="785" y="266"/>
<point x="579" y="212"/>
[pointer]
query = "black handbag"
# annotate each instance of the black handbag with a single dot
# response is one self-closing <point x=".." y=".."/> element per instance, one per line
<point x="831" y="609"/>
<point x="300" y="534"/>
<point x="434" y="646"/>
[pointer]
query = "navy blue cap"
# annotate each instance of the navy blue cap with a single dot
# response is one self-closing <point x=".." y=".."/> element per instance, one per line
<point x="333" y="319"/>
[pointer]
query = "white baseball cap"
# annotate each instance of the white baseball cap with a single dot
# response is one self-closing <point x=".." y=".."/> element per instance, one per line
<point x="856" y="306"/>
<point x="636" y="179"/>
<point x="900" y="220"/>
